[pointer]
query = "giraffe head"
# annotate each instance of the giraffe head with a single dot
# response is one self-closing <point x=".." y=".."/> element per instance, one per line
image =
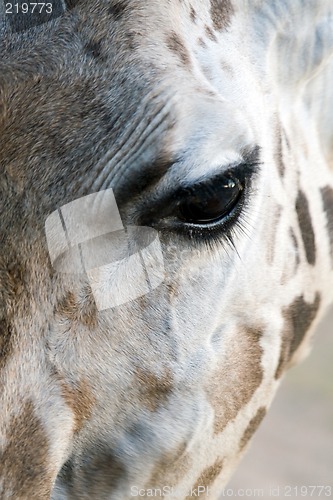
<point x="203" y="117"/>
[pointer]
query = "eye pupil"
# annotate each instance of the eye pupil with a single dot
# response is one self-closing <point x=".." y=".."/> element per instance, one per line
<point x="207" y="203"/>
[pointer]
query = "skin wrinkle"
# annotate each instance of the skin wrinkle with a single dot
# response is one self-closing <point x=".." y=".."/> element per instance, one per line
<point x="133" y="187"/>
<point x="58" y="109"/>
<point x="241" y="368"/>
<point x="134" y="150"/>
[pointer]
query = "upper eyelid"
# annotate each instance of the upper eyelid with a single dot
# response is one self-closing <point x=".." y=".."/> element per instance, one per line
<point x="249" y="160"/>
<point x="241" y="170"/>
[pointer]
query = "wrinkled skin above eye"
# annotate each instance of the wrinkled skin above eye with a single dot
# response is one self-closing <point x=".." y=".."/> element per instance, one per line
<point x="209" y="202"/>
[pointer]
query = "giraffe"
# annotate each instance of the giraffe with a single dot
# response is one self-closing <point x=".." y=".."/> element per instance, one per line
<point x="211" y="122"/>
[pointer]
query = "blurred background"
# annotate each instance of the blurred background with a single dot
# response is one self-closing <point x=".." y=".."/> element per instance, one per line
<point x="294" y="445"/>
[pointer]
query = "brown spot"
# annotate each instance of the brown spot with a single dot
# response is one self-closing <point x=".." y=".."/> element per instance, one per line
<point x="296" y="248"/>
<point x="202" y="43"/>
<point x="170" y="469"/>
<point x="301" y="315"/>
<point x="80" y="400"/>
<point x="221" y="12"/>
<point x="193" y="14"/>
<point x="79" y="310"/>
<point x="23" y="465"/>
<point x="176" y="45"/>
<point x="70" y="4"/>
<point x="327" y="199"/>
<point x="272" y="229"/>
<point x="94" y="49"/>
<point x="305" y="224"/>
<point x="252" y="427"/>
<point x="6" y="333"/>
<point x="94" y="474"/>
<point x="154" y="391"/>
<point x="292" y="258"/>
<point x="278" y="153"/>
<point x="227" y="68"/>
<point x="206" y="479"/>
<point x="210" y="33"/>
<point x="287" y="142"/>
<point x="173" y="290"/>
<point x="109" y="470"/>
<point x="240" y="374"/>
<point x="67" y="307"/>
<point x="117" y="9"/>
<point x="207" y="71"/>
<point x="284" y="355"/>
<point x="15" y="278"/>
<point x="298" y="318"/>
<point x="295" y="245"/>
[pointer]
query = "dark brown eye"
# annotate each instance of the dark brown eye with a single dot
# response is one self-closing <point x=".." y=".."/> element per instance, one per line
<point x="209" y="202"/>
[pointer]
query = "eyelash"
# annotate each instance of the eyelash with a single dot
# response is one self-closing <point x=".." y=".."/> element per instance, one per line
<point x="224" y="232"/>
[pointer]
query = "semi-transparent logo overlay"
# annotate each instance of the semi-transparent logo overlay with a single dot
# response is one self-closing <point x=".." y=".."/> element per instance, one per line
<point x="87" y="236"/>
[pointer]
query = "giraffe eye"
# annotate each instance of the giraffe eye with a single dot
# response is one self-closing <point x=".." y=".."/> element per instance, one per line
<point x="210" y="202"/>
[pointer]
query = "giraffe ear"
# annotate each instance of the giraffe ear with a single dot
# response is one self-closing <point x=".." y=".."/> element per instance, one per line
<point x="299" y="38"/>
